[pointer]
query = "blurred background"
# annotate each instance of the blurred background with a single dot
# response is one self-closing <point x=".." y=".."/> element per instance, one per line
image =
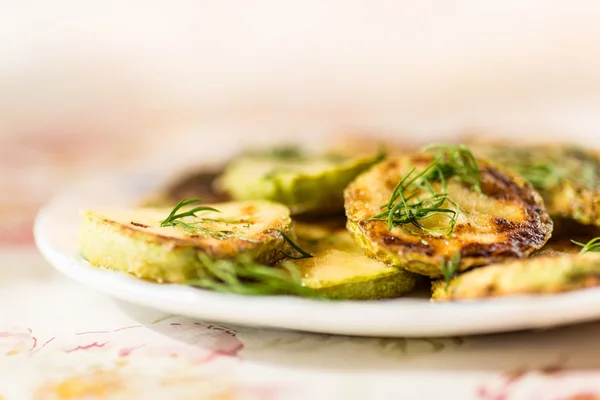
<point x="109" y="85"/>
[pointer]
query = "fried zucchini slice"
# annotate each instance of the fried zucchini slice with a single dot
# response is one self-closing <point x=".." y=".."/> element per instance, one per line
<point x="506" y="220"/>
<point x="567" y="176"/>
<point x="305" y="183"/>
<point x="339" y="269"/>
<point x="539" y="275"/>
<point x="132" y="240"/>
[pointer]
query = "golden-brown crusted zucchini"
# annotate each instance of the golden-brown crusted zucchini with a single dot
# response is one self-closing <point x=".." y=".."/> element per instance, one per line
<point x="339" y="269"/>
<point x="567" y="176"/>
<point x="538" y="275"/>
<point x="506" y="220"/>
<point x="132" y="240"/>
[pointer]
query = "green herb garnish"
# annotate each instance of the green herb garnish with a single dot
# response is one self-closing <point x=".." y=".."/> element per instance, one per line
<point x="457" y="161"/>
<point x="414" y="199"/>
<point x="593" y="246"/>
<point x="450" y="266"/>
<point x="177" y="220"/>
<point x="245" y="276"/>
<point x="174" y="219"/>
<point x="303" y="254"/>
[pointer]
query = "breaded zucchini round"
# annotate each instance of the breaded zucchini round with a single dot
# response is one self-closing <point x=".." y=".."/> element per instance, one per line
<point x="539" y="275"/>
<point x="339" y="269"/>
<point x="506" y="220"/>
<point x="133" y="240"/>
<point x="567" y="176"/>
<point x="305" y="183"/>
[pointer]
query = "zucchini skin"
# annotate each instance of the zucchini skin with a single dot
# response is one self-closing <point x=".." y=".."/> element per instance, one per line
<point x="424" y="254"/>
<point x="396" y="284"/>
<point x="144" y="253"/>
<point x="340" y="270"/>
<point x="316" y="192"/>
<point x="538" y="275"/>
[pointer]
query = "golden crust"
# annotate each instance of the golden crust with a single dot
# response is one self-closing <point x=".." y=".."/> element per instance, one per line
<point x="539" y="275"/>
<point x="132" y="241"/>
<point x="508" y="221"/>
<point x="566" y="176"/>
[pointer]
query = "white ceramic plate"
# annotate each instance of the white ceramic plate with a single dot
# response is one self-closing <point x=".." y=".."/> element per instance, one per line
<point x="56" y="228"/>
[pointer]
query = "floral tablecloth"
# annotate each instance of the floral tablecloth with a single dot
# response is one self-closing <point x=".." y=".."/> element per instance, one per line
<point x="60" y="340"/>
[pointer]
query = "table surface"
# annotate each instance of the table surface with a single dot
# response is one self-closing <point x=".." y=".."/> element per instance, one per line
<point x="60" y="340"/>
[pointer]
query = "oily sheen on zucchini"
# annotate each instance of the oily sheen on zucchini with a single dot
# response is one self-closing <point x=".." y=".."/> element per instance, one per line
<point x="132" y="240"/>
<point x="305" y="183"/>
<point x="506" y="218"/>
<point x="339" y="269"/>
<point x="538" y="275"/>
<point x="567" y="176"/>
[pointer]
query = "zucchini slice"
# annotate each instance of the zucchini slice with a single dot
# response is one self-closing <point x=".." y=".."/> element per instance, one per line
<point x="567" y="177"/>
<point x="539" y="275"/>
<point x="506" y="220"/>
<point x="305" y="183"/>
<point x="339" y="269"/>
<point x="132" y="240"/>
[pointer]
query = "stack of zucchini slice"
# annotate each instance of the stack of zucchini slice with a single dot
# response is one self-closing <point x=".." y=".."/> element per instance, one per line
<point x="473" y="220"/>
<point x="568" y="179"/>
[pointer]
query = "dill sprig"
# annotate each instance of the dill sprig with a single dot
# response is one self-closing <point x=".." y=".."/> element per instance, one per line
<point x="414" y="199"/>
<point x="303" y="254"/>
<point x="457" y="161"/>
<point x="593" y="246"/>
<point x="405" y="208"/>
<point x="243" y="275"/>
<point x="450" y="266"/>
<point x="177" y="220"/>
